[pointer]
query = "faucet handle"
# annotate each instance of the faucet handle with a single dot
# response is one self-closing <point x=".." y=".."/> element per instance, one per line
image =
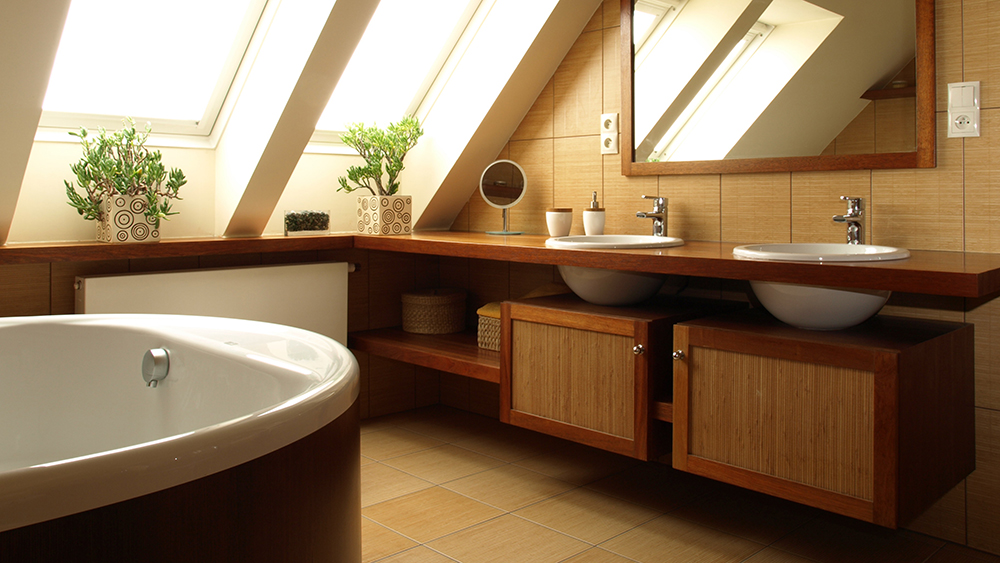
<point x="854" y="204"/>
<point x="659" y="203"/>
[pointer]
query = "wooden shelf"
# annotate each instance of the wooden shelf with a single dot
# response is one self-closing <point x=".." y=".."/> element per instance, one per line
<point x="663" y="411"/>
<point x="457" y="353"/>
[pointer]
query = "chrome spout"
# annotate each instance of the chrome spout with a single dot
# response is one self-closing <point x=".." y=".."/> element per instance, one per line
<point x="854" y="218"/>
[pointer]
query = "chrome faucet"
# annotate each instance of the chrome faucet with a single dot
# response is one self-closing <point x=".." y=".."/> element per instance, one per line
<point x="855" y="219"/>
<point x="658" y="215"/>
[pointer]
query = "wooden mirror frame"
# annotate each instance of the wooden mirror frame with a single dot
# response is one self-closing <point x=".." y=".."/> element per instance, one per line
<point x="923" y="157"/>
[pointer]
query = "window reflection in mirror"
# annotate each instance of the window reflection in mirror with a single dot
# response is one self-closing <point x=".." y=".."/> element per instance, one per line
<point x="745" y="79"/>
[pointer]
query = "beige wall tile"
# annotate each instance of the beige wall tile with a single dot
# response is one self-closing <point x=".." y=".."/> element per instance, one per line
<point x="578" y="87"/>
<point x="612" y="70"/>
<point x="948" y="47"/>
<point x="694" y="206"/>
<point x="579" y="171"/>
<point x="537" y="124"/>
<point x="981" y="41"/>
<point x="24" y="289"/>
<point x="596" y="21"/>
<point x="623" y="197"/>
<point x="982" y="185"/>
<point x="984" y="484"/>
<point x="921" y="208"/>
<point x="612" y="13"/>
<point x="816" y="199"/>
<point x="756" y="207"/>
<point x="536" y="157"/>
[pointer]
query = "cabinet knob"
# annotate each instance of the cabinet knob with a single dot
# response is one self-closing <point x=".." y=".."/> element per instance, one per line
<point x="638" y="349"/>
<point x="678" y="354"/>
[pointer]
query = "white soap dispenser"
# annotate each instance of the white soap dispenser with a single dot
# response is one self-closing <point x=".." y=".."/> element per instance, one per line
<point x="593" y="218"/>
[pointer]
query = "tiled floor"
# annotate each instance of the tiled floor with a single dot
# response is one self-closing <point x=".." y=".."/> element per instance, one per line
<point x="440" y="485"/>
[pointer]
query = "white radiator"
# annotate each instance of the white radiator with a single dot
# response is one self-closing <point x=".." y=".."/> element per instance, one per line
<point x="309" y="296"/>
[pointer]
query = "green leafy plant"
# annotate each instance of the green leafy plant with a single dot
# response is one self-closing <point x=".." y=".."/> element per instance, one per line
<point x="383" y="151"/>
<point x="120" y="163"/>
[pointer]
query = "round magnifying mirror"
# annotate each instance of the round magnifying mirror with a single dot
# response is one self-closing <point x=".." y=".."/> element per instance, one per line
<point x="502" y="185"/>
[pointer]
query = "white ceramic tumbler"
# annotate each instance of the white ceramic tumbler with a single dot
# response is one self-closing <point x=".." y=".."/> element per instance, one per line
<point x="559" y="220"/>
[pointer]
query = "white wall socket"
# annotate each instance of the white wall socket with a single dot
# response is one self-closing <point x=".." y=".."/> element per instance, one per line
<point x="609" y="133"/>
<point x="609" y="143"/>
<point x="963" y="109"/>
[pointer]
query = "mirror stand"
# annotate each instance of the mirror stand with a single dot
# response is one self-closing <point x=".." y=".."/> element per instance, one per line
<point x="502" y="185"/>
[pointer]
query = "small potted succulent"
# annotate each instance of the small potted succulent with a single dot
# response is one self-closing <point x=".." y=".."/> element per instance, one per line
<point x="382" y="212"/>
<point x="127" y="190"/>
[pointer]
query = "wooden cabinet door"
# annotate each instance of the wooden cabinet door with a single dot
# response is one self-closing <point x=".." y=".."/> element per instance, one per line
<point x="873" y="423"/>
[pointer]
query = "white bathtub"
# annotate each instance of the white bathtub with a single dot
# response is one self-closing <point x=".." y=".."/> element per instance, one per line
<point x="80" y="429"/>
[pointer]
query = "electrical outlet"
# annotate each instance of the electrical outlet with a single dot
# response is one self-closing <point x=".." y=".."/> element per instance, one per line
<point x="609" y="123"/>
<point x="609" y="143"/>
<point x="963" y="109"/>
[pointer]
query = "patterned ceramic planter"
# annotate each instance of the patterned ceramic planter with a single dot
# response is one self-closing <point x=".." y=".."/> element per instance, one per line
<point x="124" y="220"/>
<point x="384" y="215"/>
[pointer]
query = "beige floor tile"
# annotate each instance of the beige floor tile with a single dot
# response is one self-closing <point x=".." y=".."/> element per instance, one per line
<point x="509" y="487"/>
<point x="834" y="539"/>
<point x="577" y="464"/>
<point x="669" y="538"/>
<point x="508" y="539"/>
<point x="760" y="518"/>
<point x="430" y="513"/>
<point x="418" y="555"/>
<point x="448" y="424"/>
<point x="656" y="486"/>
<point x="378" y="541"/>
<point x="952" y="553"/>
<point x="443" y="463"/>
<point x="366" y="461"/>
<point x="597" y="555"/>
<point x="392" y="442"/>
<point x="588" y="515"/>
<point x="510" y="444"/>
<point x="771" y="555"/>
<point x="380" y="483"/>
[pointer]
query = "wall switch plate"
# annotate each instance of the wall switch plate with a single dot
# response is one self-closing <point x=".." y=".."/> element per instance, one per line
<point x="963" y="109"/>
<point x="609" y="143"/>
<point x="609" y="123"/>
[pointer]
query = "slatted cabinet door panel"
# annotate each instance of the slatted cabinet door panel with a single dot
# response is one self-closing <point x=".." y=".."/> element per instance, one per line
<point x="588" y="373"/>
<point x="873" y="422"/>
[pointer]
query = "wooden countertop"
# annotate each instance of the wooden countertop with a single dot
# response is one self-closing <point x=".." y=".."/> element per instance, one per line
<point x="960" y="274"/>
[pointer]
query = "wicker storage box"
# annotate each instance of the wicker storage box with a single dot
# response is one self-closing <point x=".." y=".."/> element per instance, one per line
<point x="489" y="326"/>
<point x="434" y="311"/>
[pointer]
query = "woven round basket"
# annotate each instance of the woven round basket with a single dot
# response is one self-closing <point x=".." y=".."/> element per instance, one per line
<point x="434" y="311"/>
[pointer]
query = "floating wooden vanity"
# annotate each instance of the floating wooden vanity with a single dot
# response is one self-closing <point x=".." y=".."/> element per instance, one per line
<point x="873" y="422"/>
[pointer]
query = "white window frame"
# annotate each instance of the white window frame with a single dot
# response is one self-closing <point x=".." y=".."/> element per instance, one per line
<point x="53" y="126"/>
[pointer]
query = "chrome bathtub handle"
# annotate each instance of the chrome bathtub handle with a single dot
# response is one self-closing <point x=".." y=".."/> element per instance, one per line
<point x="155" y="366"/>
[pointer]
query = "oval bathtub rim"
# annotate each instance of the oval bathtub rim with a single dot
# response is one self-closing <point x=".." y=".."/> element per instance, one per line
<point x="47" y="491"/>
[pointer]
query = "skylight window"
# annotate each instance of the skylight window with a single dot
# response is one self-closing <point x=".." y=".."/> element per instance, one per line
<point x="402" y="51"/>
<point x="171" y="63"/>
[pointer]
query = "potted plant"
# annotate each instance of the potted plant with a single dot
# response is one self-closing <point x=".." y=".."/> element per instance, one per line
<point x="383" y="212"/>
<point x="127" y="189"/>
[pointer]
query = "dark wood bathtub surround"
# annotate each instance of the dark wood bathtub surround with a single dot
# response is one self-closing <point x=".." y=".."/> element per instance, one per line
<point x="290" y="505"/>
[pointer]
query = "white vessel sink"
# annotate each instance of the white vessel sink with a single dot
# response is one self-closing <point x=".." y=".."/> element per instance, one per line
<point x="818" y="307"/>
<point x="584" y="242"/>
<point x="611" y="287"/>
<point x="820" y="252"/>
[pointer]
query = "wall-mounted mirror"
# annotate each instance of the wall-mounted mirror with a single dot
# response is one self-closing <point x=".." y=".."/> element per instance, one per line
<point x="502" y="185"/>
<point x="729" y="86"/>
